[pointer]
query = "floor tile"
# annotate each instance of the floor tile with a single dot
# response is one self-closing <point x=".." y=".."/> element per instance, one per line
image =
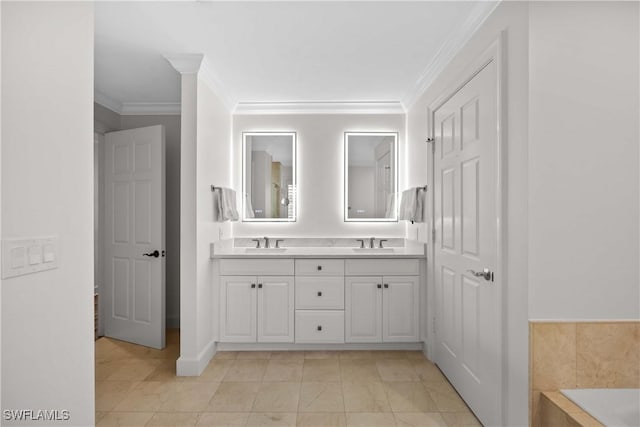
<point x="189" y="396"/>
<point x="355" y="354"/>
<point x="445" y="397"/>
<point x="396" y="370"/>
<point x="110" y="393"/>
<point x="415" y="355"/>
<point x="284" y="370"/>
<point x="321" y="419"/>
<point x="234" y="397"/>
<point x="322" y="354"/>
<point x="419" y="419"/>
<point x="216" y="370"/>
<point x="145" y="396"/>
<point x="363" y="370"/>
<point x="272" y="419"/>
<point x="370" y="419"/>
<point x="134" y="369"/>
<point x="389" y="354"/>
<point x="100" y="415"/>
<point x="365" y="397"/>
<point x="321" y="397"/>
<point x="246" y="370"/>
<point x="231" y="355"/>
<point x="321" y="370"/>
<point x="125" y="419"/>
<point x="409" y="397"/>
<point x="222" y="419"/>
<point x="249" y="355"/>
<point x="427" y="371"/>
<point x="277" y="397"/>
<point x="287" y="355"/>
<point x="173" y="419"/>
<point x="165" y="371"/>
<point x="460" y="419"/>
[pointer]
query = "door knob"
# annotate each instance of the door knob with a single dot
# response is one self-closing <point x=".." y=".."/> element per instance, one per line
<point x="154" y="254"/>
<point x="485" y="273"/>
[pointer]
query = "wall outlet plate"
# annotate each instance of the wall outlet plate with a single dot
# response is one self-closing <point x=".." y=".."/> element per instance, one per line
<point x="26" y="256"/>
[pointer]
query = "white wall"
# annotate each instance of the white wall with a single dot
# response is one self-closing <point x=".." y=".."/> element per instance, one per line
<point x="511" y="17"/>
<point x="320" y="148"/>
<point x="583" y="152"/>
<point x="47" y="189"/>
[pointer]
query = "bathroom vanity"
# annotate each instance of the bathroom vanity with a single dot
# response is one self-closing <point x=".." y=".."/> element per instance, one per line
<point x="315" y="297"/>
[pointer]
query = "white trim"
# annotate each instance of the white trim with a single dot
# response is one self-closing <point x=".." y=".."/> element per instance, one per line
<point x="209" y="77"/>
<point x="185" y="63"/>
<point x="320" y="107"/>
<point x="228" y="346"/>
<point x="192" y="367"/>
<point x="107" y="102"/>
<point x="450" y="48"/>
<point x="150" y="109"/>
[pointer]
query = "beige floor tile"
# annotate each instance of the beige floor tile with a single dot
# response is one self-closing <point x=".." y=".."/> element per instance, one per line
<point x="321" y="354"/>
<point x="370" y="419"/>
<point x="355" y="354"/>
<point x="216" y="370"/>
<point x="125" y="419"/>
<point x="415" y="355"/>
<point x="409" y="397"/>
<point x="321" y="370"/>
<point x="419" y="419"/>
<point x="234" y="397"/>
<point x="250" y="355"/>
<point x="165" y="371"/>
<point x="460" y="419"/>
<point x="427" y="371"/>
<point x="321" y="397"/>
<point x="246" y="370"/>
<point x="396" y="370"/>
<point x="365" y="397"/>
<point x="145" y="396"/>
<point x="284" y="370"/>
<point x="287" y="355"/>
<point x="106" y="367"/>
<point x="322" y="419"/>
<point x="110" y="393"/>
<point x="225" y="355"/>
<point x="173" y="419"/>
<point x="100" y="415"/>
<point x="272" y="419"/>
<point x="134" y="369"/>
<point x="389" y="354"/>
<point x="446" y="401"/>
<point x="189" y="397"/>
<point x="363" y="370"/>
<point x="277" y="397"/>
<point x="223" y="419"/>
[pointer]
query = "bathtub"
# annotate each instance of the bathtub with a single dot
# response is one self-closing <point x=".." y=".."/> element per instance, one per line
<point x="613" y="407"/>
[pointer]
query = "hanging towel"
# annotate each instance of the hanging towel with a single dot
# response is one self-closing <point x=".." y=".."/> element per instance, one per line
<point x="411" y="205"/>
<point x="226" y="204"/>
<point x="390" y="206"/>
<point x="248" y="207"/>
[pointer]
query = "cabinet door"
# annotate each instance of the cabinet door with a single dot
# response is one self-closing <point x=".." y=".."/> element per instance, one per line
<point x="363" y="309"/>
<point x="238" y="308"/>
<point x="275" y="309"/>
<point x="400" y="308"/>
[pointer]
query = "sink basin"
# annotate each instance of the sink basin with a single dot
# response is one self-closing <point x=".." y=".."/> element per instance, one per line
<point x="373" y="250"/>
<point x="265" y="250"/>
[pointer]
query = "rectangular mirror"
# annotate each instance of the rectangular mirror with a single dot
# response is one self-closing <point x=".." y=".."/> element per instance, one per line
<point x="370" y="176"/>
<point x="269" y="176"/>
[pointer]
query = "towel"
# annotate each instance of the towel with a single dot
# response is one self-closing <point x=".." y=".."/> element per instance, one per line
<point x="248" y="207"/>
<point x="226" y="205"/>
<point x="390" y="206"/>
<point x="411" y="205"/>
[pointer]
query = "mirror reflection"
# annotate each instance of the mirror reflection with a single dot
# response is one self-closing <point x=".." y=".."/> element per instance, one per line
<point x="269" y="181"/>
<point x="370" y="176"/>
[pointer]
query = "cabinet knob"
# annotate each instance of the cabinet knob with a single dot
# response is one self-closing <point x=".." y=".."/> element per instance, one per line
<point x="386" y="285"/>
<point x="319" y="293"/>
<point x="319" y="327"/>
<point x="319" y="267"/>
<point x="259" y="285"/>
<point x="253" y="285"/>
<point x="379" y="286"/>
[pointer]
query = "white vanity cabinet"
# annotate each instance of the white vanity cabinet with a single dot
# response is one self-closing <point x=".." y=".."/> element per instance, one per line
<point x="257" y="307"/>
<point x="382" y="306"/>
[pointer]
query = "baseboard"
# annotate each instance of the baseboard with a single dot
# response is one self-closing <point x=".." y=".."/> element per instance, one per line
<point x="192" y="367"/>
<point x="232" y="346"/>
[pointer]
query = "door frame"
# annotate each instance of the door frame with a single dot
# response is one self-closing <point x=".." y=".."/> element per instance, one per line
<point x="495" y="52"/>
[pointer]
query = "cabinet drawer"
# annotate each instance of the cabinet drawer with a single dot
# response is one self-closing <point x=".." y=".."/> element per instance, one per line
<point x="315" y="326"/>
<point x="382" y="267"/>
<point x="256" y="267"/>
<point x="320" y="293"/>
<point x="319" y="267"/>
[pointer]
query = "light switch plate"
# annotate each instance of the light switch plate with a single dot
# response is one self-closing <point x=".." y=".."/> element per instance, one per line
<point x="26" y="256"/>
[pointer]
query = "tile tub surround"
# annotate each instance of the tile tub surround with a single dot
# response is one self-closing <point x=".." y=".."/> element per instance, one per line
<point x="566" y="355"/>
<point x="303" y="388"/>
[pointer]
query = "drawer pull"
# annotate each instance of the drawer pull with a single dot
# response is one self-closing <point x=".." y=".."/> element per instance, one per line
<point x="319" y="267"/>
<point x="259" y="285"/>
<point x="379" y="286"/>
<point x="319" y="293"/>
<point x="253" y="286"/>
<point x="319" y="327"/>
<point x="386" y="285"/>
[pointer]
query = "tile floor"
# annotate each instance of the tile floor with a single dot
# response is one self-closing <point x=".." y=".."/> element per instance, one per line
<point x="137" y="386"/>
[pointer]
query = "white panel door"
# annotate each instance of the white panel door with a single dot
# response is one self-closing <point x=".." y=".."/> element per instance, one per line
<point x="400" y="308"/>
<point x="276" y="309"/>
<point x="363" y="309"/>
<point x="238" y="305"/>
<point x="134" y="241"/>
<point x="465" y="219"/>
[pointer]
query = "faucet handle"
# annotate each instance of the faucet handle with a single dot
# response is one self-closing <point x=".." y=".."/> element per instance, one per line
<point x="380" y="244"/>
<point x="278" y="243"/>
<point x="361" y="243"/>
<point x="257" y="242"/>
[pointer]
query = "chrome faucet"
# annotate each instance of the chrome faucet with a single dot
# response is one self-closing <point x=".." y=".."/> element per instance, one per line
<point x="266" y="242"/>
<point x="372" y="243"/>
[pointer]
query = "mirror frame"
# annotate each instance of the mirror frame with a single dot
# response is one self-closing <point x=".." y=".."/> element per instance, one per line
<point x="294" y="174"/>
<point x="346" y="176"/>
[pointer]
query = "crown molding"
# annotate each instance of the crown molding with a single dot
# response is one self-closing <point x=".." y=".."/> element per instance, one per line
<point x="185" y="63"/>
<point x="320" y="107"/>
<point x="151" y="109"/>
<point x="209" y="77"/>
<point x="449" y="50"/>
<point x="107" y="102"/>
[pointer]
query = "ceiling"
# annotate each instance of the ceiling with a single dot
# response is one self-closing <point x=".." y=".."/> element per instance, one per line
<point x="274" y="52"/>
